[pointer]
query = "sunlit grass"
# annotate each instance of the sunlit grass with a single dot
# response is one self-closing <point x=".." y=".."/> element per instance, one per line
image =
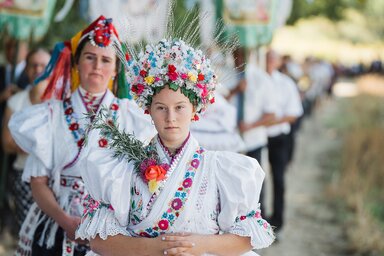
<point x="321" y="38"/>
<point x="359" y="183"/>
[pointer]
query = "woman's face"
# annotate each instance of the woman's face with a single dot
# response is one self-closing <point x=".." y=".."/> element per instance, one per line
<point x="96" y="67"/>
<point x="171" y="112"/>
<point x="36" y="64"/>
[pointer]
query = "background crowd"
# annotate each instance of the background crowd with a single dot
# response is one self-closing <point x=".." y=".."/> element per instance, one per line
<point x="264" y="96"/>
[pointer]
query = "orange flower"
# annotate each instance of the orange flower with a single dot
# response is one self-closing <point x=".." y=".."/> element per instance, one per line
<point x="155" y="172"/>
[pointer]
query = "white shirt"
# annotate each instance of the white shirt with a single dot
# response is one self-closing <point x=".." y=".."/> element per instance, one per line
<point x="16" y="103"/>
<point x="258" y="100"/>
<point x="287" y="100"/>
<point x="217" y="127"/>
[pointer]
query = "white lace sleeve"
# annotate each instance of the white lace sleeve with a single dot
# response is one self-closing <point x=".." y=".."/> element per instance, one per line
<point x="108" y="181"/>
<point x="239" y="182"/>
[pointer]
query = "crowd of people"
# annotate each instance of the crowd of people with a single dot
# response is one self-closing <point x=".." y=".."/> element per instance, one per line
<point x="104" y="152"/>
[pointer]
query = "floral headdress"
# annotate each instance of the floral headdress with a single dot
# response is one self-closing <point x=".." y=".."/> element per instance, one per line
<point x="178" y="65"/>
<point x="63" y="78"/>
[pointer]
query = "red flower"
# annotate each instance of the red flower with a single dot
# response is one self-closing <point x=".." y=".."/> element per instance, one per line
<point x="172" y="76"/>
<point x="138" y="89"/>
<point x="155" y="172"/>
<point x="103" y="143"/>
<point x="114" y="106"/>
<point x="127" y="57"/>
<point x="163" y="224"/>
<point x="69" y="111"/>
<point x="146" y="111"/>
<point x="195" y="117"/>
<point x="144" y="234"/>
<point x="200" y="77"/>
<point x="143" y="73"/>
<point x="171" y="68"/>
<point x="242" y="217"/>
<point x="74" y="126"/>
<point x="212" y="100"/>
<point x="80" y="142"/>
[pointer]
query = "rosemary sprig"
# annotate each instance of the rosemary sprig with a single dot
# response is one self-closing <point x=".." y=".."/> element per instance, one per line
<point x="125" y="145"/>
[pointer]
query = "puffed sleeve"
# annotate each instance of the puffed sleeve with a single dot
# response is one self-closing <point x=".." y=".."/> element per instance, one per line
<point x="239" y="180"/>
<point x="108" y="181"/>
<point x="32" y="130"/>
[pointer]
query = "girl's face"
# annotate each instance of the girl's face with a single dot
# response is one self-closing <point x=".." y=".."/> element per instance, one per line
<point x="171" y="112"/>
<point x="96" y="67"/>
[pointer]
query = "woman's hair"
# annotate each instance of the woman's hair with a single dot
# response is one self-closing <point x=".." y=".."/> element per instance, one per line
<point x="33" y="52"/>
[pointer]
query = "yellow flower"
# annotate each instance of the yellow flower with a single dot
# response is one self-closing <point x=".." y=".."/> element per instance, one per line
<point x="153" y="185"/>
<point x="149" y="80"/>
<point x="192" y="77"/>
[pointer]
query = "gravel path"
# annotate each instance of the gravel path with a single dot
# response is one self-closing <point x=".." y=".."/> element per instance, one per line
<point x="311" y="227"/>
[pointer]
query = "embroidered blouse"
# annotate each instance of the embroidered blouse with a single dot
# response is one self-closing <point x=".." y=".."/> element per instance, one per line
<point x="206" y="192"/>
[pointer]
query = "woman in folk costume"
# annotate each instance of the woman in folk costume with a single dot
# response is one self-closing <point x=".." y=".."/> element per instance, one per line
<point x="172" y="185"/>
<point x="82" y="73"/>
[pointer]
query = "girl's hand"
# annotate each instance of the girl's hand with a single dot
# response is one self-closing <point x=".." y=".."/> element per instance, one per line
<point x="177" y="243"/>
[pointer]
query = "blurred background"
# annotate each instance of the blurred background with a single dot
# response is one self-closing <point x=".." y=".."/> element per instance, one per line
<point x="335" y="50"/>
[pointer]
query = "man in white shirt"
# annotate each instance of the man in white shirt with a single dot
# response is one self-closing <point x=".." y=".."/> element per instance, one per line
<point x="289" y="108"/>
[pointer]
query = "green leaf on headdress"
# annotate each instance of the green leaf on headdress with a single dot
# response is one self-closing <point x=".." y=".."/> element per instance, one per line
<point x="158" y="89"/>
<point x="173" y="86"/>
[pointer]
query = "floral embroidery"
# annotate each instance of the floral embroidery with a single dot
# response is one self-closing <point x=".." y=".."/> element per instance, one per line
<point x="91" y="206"/>
<point x="257" y="215"/>
<point x="73" y="124"/>
<point x="176" y="205"/>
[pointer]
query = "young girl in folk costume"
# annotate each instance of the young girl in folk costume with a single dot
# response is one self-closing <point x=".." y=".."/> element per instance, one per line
<point x="173" y="184"/>
<point x="81" y="71"/>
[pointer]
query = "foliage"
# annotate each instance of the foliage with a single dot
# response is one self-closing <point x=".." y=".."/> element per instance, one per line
<point x="64" y="30"/>
<point x="332" y="9"/>
<point x="361" y="176"/>
<point x="125" y="145"/>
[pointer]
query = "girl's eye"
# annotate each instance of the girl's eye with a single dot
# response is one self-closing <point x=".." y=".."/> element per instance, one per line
<point x="160" y="108"/>
<point x="179" y="107"/>
<point x="106" y="60"/>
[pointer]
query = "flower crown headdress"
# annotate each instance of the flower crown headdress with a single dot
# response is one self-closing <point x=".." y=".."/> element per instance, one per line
<point x="63" y="78"/>
<point x="176" y="64"/>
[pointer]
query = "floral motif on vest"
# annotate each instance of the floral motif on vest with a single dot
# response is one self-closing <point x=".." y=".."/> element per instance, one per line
<point x="73" y="123"/>
<point x="176" y="205"/>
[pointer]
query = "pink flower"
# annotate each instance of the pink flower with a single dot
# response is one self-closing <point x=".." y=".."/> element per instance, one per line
<point x="187" y="182"/>
<point x="176" y="204"/>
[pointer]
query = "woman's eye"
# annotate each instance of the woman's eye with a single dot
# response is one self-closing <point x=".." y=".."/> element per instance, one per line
<point x="179" y="107"/>
<point x="106" y="60"/>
